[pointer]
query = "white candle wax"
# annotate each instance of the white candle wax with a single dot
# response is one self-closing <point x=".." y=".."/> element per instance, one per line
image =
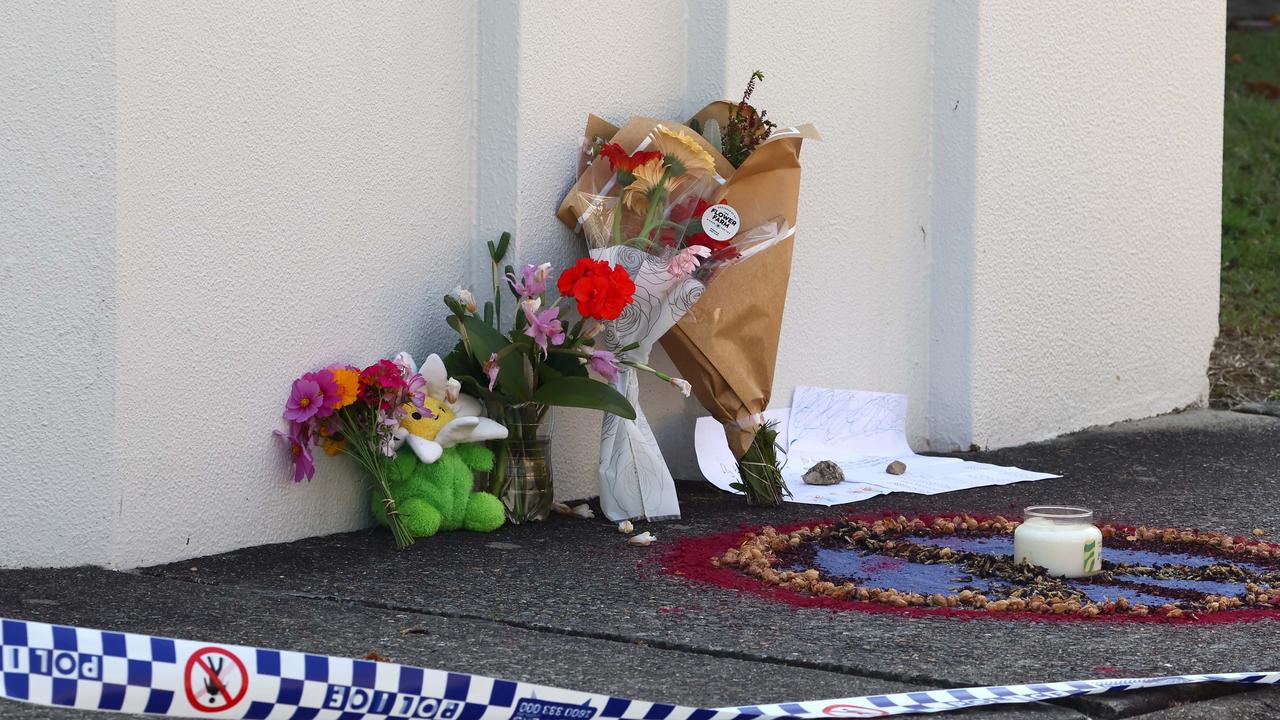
<point x="1063" y="541"/>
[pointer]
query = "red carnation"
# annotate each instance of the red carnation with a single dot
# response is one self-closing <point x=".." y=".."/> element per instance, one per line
<point x="620" y="160"/>
<point x="602" y="290"/>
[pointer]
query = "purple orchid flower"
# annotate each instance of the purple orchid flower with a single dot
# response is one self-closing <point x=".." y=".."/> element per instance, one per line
<point x="604" y="363"/>
<point x="534" y="282"/>
<point x="544" y="325"/>
<point x="416" y="389"/>
<point x="491" y="369"/>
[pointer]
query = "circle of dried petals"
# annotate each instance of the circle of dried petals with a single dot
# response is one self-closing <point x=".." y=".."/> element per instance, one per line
<point x="772" y="556"/>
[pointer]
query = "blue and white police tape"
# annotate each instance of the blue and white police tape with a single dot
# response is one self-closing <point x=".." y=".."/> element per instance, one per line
<point x="74" y="667"/>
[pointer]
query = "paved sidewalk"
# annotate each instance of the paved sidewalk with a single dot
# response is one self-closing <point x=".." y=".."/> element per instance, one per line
<point x="566" y="603"/>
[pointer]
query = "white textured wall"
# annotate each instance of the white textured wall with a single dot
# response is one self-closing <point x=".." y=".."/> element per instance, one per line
<point x="1098" y="154"/>
<point x="1013" y="219"/>
<point x="858" y="304"/>
<point x="57" y="271"/>
<point x="864" y="198"/>
<point x="569" y="65"/>
<point x="201" y="202"/>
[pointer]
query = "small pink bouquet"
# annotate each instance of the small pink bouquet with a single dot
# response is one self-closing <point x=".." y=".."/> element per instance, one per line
<point x="354" y="412"/>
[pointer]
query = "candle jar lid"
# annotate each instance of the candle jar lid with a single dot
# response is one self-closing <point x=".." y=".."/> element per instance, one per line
<point x="1059" y="514"/>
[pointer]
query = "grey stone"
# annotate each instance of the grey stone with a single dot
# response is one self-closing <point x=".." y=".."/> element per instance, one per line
<point x="1268" y="407"/>
<point x="897" y="467"/>
<point x="824" y="472"/>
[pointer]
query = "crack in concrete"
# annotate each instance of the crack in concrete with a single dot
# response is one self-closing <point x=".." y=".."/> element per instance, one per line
<point x="1083" y="705"/>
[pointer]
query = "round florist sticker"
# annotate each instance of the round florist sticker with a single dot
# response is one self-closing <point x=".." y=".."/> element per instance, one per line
<point x="720" y="222"/>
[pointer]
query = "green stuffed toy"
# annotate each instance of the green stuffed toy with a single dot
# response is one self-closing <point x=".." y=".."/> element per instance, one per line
<point x="433" y="485"/>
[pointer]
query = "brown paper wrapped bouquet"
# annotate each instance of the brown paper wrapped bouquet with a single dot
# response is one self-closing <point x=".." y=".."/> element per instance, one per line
<point x="655" y="192"/>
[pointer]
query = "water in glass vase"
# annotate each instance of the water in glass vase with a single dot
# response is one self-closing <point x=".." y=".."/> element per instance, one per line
<point x="522" y="476"/>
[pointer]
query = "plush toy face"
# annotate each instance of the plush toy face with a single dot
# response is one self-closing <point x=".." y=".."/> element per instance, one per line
<point x="423" y="426"/>
<point x="458" y="418"/>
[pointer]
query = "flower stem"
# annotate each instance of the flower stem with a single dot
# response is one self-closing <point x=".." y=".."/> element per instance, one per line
<point x="364" y="451"/>
<point x="760" y="471"/>
<point x="617" y="222"/>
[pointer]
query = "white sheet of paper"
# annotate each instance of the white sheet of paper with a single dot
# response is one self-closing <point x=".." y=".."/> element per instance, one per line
<point x="718" y="465"/>
<point x="860" y="431"/>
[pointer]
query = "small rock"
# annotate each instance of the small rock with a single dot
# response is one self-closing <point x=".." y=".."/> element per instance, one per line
<point x="582" y="510"/>
<point x="824" y="473"/>
<point x="897" y="467"/>
<point x="1267" y="407"/>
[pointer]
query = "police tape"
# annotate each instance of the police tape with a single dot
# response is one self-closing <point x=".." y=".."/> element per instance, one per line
<point x="73" y="667"/>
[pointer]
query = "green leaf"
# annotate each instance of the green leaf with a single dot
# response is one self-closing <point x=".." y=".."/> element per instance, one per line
<point x="569" y="391"/>
<point x="546" y="373"/>
<point x="508" y="270"/>
<point x="484" y="341"/>
<point x="503" y="243"/>
<point x="459" y="363"/>
<point x="488" y="312"/>
<point x="563" y="364"/>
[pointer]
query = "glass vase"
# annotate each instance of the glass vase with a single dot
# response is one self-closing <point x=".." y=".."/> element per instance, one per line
<point x="522" y="476"/>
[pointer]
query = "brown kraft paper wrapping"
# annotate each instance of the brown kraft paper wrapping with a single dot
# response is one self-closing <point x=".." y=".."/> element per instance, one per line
<point x="726" y="346"/>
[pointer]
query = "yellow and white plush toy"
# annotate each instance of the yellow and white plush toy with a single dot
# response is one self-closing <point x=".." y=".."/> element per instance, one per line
<point x="433" y="487"/>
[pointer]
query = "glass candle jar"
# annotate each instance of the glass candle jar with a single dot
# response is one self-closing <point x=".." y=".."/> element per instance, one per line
<point x="1062" y="540"/>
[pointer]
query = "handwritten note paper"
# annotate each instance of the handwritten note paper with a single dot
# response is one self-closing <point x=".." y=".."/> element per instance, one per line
<point x="860" y="431"/>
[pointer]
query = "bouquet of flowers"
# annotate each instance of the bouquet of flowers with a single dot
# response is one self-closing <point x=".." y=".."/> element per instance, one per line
<point x="346" y="410"/>
<point x="541" y="359"/>
<point x="678" y="205"/>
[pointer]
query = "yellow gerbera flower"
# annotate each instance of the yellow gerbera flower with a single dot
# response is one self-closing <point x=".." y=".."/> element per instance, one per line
<point x="684" y="150"/>
<point x="647" y="178"/>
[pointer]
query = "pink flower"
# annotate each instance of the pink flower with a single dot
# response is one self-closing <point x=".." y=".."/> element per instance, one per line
<point x="687" y="260"/>
<point x="544" y="325"/>
<point x="328" y="388"/>
<point x="381" y="384"/>
<point x="303" y="465"/>
<point x="382" y="375"/>
<point x="604" y="363"/>
<point x="534" y="283"/>
<point x="491" y="369"/>
<point x="306" y="399"/>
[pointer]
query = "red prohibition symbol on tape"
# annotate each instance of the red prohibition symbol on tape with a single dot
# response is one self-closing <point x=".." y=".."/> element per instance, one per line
<point x="851" y="711"/>
<point x="215" y="680"/>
